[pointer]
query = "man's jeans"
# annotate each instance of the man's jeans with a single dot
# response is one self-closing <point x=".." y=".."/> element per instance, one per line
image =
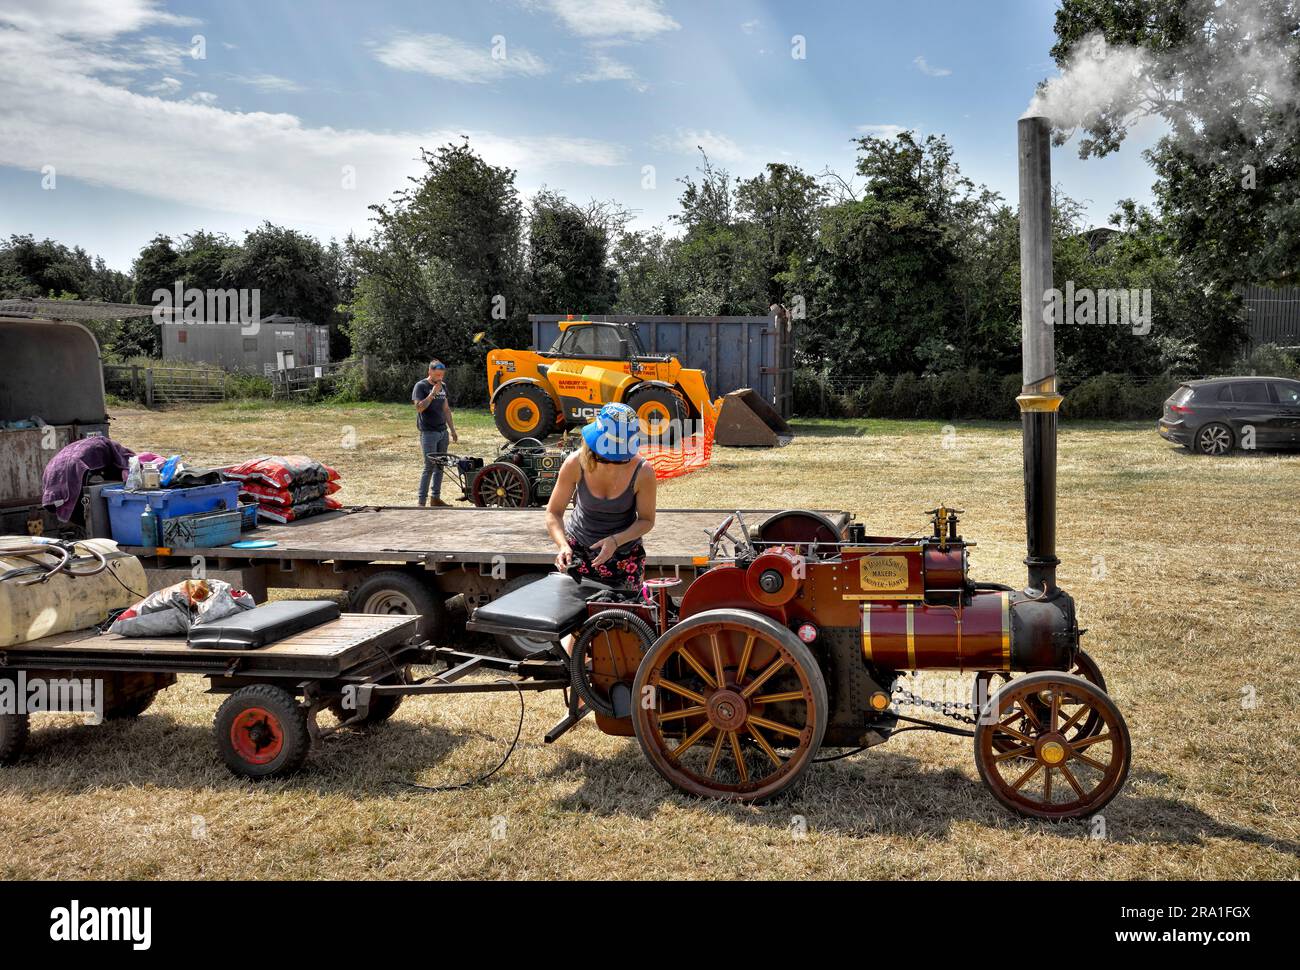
<point x="431" y="443"/>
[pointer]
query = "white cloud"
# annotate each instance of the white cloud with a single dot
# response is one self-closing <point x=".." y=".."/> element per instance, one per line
<point x="924" y="67"/>
<point x="63" y="107"/>
<point x="749" y="26"/>
<point x="202" y="97"/>
<point x="166" y="85"/>
<point x="268" y="83"/>
<point x="605" y="68"/>
<point x="882" y="131"/>
<point x="455" y="60"/>
<point x="635" y="19"/>
<point x="688" y="141"/>
<point x="88" y="18"/>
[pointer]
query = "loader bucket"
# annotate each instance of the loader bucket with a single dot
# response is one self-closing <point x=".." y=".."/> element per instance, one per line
<point x="748" y="421"/>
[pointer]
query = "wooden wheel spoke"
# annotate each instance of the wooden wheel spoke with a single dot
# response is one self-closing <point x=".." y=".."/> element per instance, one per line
<point x="744" y="658"/>
<point x="1069" y="776"/>
<point x="776" y="726"/>
<point x="1019" y="782"/>
<point x="678" y="715"/>
<point x="789" y="695"/>
<point x="716" y="650"/>
<point x="1047" y="784"/>
<point x="1056" y="712"/>
<point x="713" y="757"/>
<point x="1022" y="738"/>
<point x="1087" y="742"/>
<point x="742" y="769"/>
<point x="1073" y="719"/>
<point x="698" y="667"/>
<point x="686" y="692"/>
<point x="1013" y="753"/>
<point x="762" y="743"/>
<point x="1089" y="761"/>
<point x="763" y="678"/>
<point x="690" y="741"/>
<point x="1029" y="713"/>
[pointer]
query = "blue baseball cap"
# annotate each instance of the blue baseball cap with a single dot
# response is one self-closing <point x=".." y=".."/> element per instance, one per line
<point x="614" y="435"/>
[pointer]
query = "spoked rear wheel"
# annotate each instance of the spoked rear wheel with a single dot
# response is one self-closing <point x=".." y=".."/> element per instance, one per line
<point x="730" y="704"/>
<point x="1031" y="760"/>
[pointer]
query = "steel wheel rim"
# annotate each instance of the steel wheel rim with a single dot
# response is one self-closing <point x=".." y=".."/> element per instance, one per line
<point x="740" y="735"/>
<point x="522" y="414"/>
<point x="1047" y="774"/>
<point x="1214" y="440"/>
<point x="389" y="602"/>
<point x="257" y="736"/>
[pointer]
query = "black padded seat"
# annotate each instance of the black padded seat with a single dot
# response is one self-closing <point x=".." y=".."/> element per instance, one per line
<point x="263" y="625"/>
<point x="548" y="609"/>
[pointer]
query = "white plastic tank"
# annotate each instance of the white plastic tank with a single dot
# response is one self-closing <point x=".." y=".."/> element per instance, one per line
<point x="62" y="602"/>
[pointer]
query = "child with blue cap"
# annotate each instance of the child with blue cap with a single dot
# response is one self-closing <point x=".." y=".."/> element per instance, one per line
<point x="613" y="494"/>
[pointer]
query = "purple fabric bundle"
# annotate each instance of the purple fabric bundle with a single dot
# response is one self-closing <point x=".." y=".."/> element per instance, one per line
<point x="67" y="471"/>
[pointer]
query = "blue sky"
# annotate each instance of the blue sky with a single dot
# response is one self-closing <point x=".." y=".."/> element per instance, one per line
<point x="305" y="113"/>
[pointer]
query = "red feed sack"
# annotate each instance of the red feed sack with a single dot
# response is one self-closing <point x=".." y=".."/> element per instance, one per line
<point x="295" y="495"/>
<point x="276" y="513"/>
<point x="282" y="471"/>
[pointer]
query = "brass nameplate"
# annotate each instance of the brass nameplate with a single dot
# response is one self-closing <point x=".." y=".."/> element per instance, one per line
<point x="883" y="574"/>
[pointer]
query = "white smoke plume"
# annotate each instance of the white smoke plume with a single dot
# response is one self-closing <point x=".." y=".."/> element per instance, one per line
<point x="1096" y="75"/>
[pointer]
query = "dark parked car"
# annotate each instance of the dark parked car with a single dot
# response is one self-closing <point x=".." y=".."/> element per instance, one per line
<point x="1215" y="416"/>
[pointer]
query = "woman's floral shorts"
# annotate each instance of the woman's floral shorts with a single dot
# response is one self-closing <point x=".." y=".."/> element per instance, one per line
<point x="624" y="568"/>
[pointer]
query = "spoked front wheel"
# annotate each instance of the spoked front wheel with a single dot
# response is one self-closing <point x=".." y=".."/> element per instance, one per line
<point x="730" y="704"/>
<point x="1031" y="759"/>
<point x="987" y="683"/>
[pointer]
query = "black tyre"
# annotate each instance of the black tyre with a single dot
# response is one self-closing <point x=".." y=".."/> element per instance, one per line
<point x="1215" y="439"/>
<point x="261" y="732"/>
<point x="13" y="737"/>
<point x="524" y="411"/>
<point x="132" y="708"/>
<point x="516" y="646"/>
<point x="397" y="593"/>
<point x="661" y="412"/>
<point x="382" y="707"/>
<point x="589" y="642"/>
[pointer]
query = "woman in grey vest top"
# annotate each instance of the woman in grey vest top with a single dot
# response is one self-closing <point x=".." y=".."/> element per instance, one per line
<point x="613" y="493"/>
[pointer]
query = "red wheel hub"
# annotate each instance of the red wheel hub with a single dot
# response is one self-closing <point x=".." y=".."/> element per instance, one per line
<point x="257" y="736"/>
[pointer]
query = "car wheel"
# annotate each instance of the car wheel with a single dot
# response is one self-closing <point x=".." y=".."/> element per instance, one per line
<point x="1214" y="439"/>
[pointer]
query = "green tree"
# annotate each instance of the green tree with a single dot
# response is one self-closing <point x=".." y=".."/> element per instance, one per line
<point x="444" y="261"/>
<point x="568" y="254"/>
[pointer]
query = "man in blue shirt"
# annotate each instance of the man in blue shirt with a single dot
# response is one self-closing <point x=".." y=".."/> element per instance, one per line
<point x="433" y="419"/>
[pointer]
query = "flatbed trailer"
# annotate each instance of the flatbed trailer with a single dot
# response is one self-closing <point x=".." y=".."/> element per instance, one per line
<point x="410" y="560"/>
<point x="266" y="726"/>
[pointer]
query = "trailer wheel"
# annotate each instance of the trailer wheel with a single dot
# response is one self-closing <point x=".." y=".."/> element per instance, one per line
<point x="381" y="708"/>
<point x="1049" y="773"/>
<point x="393" y="592"/>
<point x="261" y="732"/>
<point x="518" y="646"/>
<point x="729" y="704"/>
<point x="524" y="411"/>
<point x="132" y="708"/>
<point x="13" y="737"/>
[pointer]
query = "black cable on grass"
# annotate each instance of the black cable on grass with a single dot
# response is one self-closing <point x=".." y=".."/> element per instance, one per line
<point x="474" y="783"/>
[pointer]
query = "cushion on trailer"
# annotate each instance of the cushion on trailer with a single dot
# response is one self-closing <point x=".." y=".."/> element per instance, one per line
<point x="549" y="608"/>
<point x="263" y="625"/>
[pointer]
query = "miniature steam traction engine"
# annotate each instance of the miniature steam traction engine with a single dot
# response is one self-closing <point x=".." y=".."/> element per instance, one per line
<point x="795" y="638"/>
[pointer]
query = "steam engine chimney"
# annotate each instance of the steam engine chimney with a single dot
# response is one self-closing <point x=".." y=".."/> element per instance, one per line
<point x="1038" y="398"/>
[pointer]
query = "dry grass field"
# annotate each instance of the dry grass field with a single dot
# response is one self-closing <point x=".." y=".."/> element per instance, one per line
<point x="1185" y="568"/>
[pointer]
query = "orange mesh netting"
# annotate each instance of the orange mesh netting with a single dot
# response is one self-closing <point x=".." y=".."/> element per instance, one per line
<point x="691" y="453"/>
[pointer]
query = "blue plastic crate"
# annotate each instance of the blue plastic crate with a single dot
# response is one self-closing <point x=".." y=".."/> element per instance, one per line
<point x="201" y="530"/>
<point x="124" y="508"/>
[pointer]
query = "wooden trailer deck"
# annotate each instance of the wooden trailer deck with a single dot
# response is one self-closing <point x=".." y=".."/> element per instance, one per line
<point x="431" y="536"/>
<point x="339" y="648"/>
